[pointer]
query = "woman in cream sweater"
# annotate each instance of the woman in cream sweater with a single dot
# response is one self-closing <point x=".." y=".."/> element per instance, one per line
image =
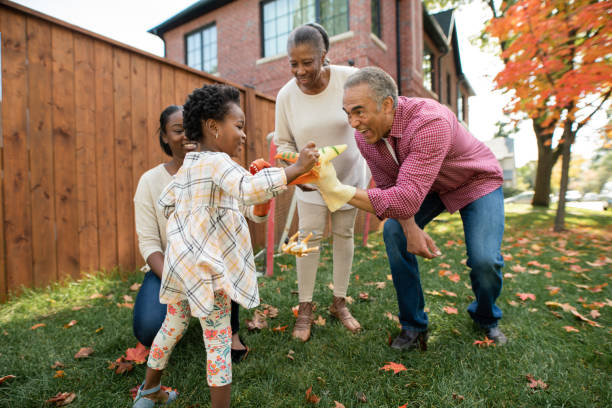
<point x="309" y="108"/>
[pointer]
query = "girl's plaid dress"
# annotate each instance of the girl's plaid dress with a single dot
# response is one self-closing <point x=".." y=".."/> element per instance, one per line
<point x="209" y="246"/>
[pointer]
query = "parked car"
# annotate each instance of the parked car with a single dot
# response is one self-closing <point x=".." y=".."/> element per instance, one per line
<point x="524" y="197"/>
<point x="592" y="197"/>
<point x="572" y="195"/>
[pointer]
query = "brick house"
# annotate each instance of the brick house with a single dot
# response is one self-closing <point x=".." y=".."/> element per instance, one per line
<point x="244" y="41"/>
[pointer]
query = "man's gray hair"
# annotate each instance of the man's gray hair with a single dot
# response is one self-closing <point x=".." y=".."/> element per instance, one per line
<point x="381" y="84"/>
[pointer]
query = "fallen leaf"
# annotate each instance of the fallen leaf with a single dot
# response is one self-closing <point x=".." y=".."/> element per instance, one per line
<point x="444" y="265"/>
<point x="59" y="374"/>
<point x="448" y="293"/>
<point x="535" y="384"/>
<point x="364" y="296"/>
<point x="83" y="352"/>
<point x="395" y="367"/>
<point x="389" y="277"/>
<point x="553" y="290"/>
<point x="584" y="319"/>
<point x="96" y="296"/>
<point x="433" y="292"/>
<point x="518" y="268"/>
<point x="458" y="397"/>
<point x="449" y="310"/>
<point x="513" y="303"/>
<point x="137" y="354"/>
<point x="6" y="377"/>
<point x="70" y="324"/>
<point x="320" y="321"/>
<point x="310" y="397"/>
<point x="391" y="316"/>
<point x="62" y="398"/>
<point x="330" y="286"/>
<point x="594" y="305"/>
<point x="99" y="329"/>
<point x="487" y="342"/>
<point x="126" y="305"/>
<point x="120" y="365"/>
<point x="128" y="298"/>
<point x="361" y="397"/>
<point x="76" y="308"/>
<point x="290" y="354"/>
<point x="280" y="328"/>
<point x="258" y="322"/>
<point x="457" y="332"/>
<point x="598" y="288"/>
<point x="454" y="277"/>
<point x="565" y="306"/>
<point x="548" y="274"/>
<point x="525" y="296"/>
<point x="294" y="309"/>
<point x="272" y="311"/>
<point x="38" y="325"/>
<point x="338" y="405"/>
<point x="349" y="300"/>
<point x="595" y="314"/>
<point x="570" y="329"/>
<point x="444" y="272"/>
<point x="135" y="287"/>
<point x="57" y="364"/>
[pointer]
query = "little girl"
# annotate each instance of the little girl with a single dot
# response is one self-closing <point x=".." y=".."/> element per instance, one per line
<point x="209" y="257"/>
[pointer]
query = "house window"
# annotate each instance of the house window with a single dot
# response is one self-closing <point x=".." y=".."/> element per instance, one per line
<point x="280" y="17"/>
<point x="201" y="49"/>
<point x="375" y="5"/>
<point x="460" y="111"/>
<point x="428" y="72"/>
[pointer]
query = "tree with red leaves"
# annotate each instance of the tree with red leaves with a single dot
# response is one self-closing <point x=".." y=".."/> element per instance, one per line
<point x="559" y="72"/>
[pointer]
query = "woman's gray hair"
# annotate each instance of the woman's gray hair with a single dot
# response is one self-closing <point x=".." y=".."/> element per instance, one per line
<point x="381" y="84"/>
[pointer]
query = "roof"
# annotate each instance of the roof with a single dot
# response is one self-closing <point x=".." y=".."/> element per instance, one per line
<point x="192" y="12"/>
<point x="446" y="20"/>
<point x="445" y="30"/>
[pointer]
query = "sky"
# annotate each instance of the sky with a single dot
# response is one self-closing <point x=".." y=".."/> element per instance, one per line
<point x="127" y="21"/>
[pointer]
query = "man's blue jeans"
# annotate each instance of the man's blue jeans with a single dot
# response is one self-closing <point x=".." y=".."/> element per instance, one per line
<point x="483" y="227"/>
<point x="149" y="314"/>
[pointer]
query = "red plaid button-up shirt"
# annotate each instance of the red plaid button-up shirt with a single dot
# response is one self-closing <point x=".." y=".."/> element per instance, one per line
<point x="435" y="154"/>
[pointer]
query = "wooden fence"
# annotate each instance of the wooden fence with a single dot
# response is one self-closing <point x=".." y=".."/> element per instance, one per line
<point x="78" y="128"/>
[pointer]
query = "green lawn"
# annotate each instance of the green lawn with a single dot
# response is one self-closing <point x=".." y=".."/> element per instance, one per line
<point x="575" y="365"/>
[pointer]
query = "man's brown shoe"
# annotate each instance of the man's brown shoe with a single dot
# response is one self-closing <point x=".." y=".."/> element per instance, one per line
<point x="341" y="312"/>
<point x="301" y="330"/>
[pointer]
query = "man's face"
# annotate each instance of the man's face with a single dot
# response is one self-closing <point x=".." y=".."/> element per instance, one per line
<point x="364" y="115"/>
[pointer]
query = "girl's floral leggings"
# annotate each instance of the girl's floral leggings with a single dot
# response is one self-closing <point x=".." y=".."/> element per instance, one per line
<point x="217" y="339"/>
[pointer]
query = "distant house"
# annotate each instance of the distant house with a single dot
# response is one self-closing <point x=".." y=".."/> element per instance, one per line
<point x="245" y="41"/>
<point x="503" y="149"/>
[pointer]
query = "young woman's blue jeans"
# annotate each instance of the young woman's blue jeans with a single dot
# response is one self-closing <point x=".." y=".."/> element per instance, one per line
<point x="483" y="227"/>
<point x="149" y="314"/>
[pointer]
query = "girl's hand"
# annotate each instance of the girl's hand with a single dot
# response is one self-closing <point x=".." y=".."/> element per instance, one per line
<point x="261" y="210"/>
<point x="308" y="158"/>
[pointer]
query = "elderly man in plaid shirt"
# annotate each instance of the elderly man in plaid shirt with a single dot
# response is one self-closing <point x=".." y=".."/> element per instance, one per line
<point x="424" y="162"/>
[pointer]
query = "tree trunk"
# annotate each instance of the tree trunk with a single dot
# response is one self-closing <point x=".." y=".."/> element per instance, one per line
<point x="568" y="140"/>
<point x="541" y="197"/>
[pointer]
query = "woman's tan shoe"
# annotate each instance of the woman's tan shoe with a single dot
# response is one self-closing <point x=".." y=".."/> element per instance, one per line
<point x="341" y="312"/>
<point x="301" y="330"/>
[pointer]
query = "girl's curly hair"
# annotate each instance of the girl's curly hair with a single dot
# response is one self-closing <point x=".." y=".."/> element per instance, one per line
<point x="207" y="102"/>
